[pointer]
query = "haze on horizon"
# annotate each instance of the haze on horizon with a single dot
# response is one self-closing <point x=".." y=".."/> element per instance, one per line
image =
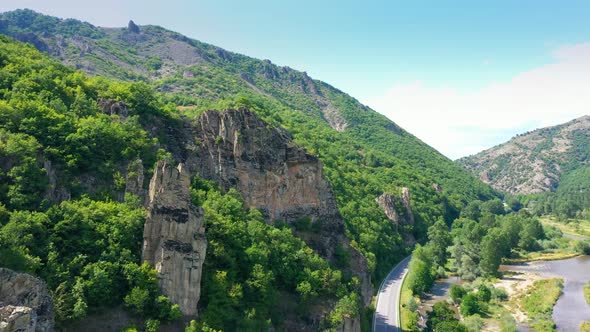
<point x="460" y="75"/>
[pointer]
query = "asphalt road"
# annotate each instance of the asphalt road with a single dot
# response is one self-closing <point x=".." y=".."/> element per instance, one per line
<point x="386" y="317"/>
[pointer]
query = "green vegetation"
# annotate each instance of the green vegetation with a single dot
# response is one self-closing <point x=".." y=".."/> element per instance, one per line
<point x="585" y="327"/>
<point x="86" y="248"/>
<point x="252" y="266"/>
<point x="539" y="301"/>
<point x="442" y="318"/>
<point x="58" y="142"/>
<point x="570" y="200"/>
<point x="576" y="227"/>
<point x="476" y="248"/>
<point x="371" y="157"/>
<point x="587" y="292"/>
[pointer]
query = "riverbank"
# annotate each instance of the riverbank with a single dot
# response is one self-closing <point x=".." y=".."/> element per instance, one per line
<point x="571" y="308"/>
<point x="575" y="227"/>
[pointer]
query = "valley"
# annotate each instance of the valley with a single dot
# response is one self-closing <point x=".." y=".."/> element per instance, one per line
<point x="150" y="181"/>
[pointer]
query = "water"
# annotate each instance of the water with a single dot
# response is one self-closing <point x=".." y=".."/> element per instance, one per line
<point x="439" y="292"/>
<point x="571" y="308"/>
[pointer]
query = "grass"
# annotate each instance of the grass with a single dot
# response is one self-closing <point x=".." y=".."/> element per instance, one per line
<point x="544" y="256"/>
<point x="538" y="303"/>
<point x="587" y="292"/>
<point x="585" y="327"/>
<point x="577" y="227"/>
<point x="406" y="316"/>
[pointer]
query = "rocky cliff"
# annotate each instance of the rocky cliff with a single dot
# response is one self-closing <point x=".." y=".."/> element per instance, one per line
<point x="534" y="162"/>
<point x="174" y="236"/>
<point x="25" y="303"/>
<point x="398" y="210"/>
<point x="239" y="150"/>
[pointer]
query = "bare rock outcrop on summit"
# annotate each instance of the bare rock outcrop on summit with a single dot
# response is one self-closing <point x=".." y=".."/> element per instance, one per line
<point x="174" y="236"/>
<point x="25" y="303"/>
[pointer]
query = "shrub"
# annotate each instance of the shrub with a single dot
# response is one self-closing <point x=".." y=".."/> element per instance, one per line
<point x="470" y="305"/>
<point x="457" y="292"/>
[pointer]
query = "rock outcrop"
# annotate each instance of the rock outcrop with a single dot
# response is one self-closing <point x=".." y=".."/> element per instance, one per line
<point x="13" y="319"/>
<point x="389" y="203"/>
<point x="239" y="150"/>
<point x="25" y="303"/>
<point x="174" y="236"/>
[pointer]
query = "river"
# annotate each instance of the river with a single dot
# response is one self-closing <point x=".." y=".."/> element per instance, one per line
<point x="571" y="308"/>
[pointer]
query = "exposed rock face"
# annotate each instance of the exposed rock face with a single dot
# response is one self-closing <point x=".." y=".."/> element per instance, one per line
<point x="114" y="107"/>
<point x="272" y="173"/>
<point x="333" y="116"/>
<point x="21" y="319"/>
<point x="388" y="203"/>
<point x="134" y="179"/>
<point x="406" y="198"/>
<point x="132" y="27"/>
<point x="25" y="303"/>
<point x="239" y="150"/>
<point x="399" y="211"/>
<point x="55" y="192"/>
<point x="174" y="236"/>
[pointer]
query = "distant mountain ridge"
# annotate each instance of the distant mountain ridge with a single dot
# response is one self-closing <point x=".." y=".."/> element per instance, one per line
<point x="536" y="161"/>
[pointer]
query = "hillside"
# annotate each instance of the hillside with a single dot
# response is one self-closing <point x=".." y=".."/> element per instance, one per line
<point x="536" y="161"/>
<point x="286" y="179"/>
<point x="364" y="153"/>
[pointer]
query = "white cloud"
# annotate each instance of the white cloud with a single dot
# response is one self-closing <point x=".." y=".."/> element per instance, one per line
<point x="459" y="123"/>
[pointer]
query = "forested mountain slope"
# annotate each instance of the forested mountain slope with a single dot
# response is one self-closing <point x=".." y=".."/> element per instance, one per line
<point x="364" y="154"/>
<point x="536" y="161"/>
<point x="75" y="146"/>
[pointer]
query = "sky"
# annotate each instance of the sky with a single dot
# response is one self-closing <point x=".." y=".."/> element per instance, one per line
<point x="460" y="75"/>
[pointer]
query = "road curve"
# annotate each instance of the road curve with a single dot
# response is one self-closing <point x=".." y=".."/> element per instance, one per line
<point x="386" y="318"/>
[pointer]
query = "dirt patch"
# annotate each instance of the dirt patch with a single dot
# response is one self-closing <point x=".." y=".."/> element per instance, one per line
<point x="516" y="284"/>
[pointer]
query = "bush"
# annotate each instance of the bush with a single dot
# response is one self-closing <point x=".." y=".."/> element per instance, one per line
<point x="152" y="325"/>
<point x="457" y="292"/>
<point x="583" y="247"/>
<point x="484" y="294"/>
<point x="499" y="294"/>
<point x="470" y="305"/>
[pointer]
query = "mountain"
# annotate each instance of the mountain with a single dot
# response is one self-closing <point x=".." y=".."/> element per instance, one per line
<point x="283" y="187"/>
<point x="536" y="161"/>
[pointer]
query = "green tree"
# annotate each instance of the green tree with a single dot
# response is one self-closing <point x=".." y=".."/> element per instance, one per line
<point x="494" y="246"/>
<point x="439" y="240"/>
<point x="457" y="292"/>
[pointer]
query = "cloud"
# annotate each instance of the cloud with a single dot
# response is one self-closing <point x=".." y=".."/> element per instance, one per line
<point x="459" y="123"/>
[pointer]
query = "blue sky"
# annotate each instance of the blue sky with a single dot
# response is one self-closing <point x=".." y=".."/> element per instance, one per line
<point x="394" y="56"/>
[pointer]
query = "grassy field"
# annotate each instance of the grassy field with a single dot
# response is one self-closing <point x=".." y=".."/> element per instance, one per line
<point x="587" y="292"/>
<point x="585" y="327"/>
<point x="538" y="303"/>
<point x="577" y="227"/>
